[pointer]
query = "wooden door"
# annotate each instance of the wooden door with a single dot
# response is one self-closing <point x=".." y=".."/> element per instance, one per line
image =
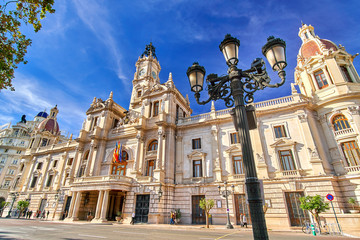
<point x="241" y="207"/>
<point x="142" y="208"/>
<point x="198" y="214"/>
<point x="296" y="214"/>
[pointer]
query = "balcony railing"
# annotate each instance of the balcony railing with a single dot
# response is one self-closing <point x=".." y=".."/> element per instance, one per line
<point x="290" y="173"/>
<point x="113" y="178"/>
<point x="265" y="105"/>
<point x="353" y="169"/>
<point x="343" y="132"/>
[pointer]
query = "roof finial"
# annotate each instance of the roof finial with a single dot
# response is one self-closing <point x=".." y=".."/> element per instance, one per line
<point x="111" y="95"/>
<point x="302" y="24"/>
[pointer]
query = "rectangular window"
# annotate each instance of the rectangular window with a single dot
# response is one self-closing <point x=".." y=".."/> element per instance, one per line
<point x="18" y="152"/>
<point x="150" y="168"/>
<point x="196" y="143"/>
<point x="150" y="109"/>
<point x="15" y="161"/>
<point x="33" y="182"/>
<point x="156" y="108"/>
<point x="6" y="150"/>
<point x="3" y="160"/>
<point x="95" y="122"/>
<point x="115" y="123"/>
<point x="321" y="79"/>
<point x="49" y="180"/>
<point x="11" y="171"/>
<point x="39" y="166"/>
<point x="44" y="142"/>
<point x="55" y="163"/>
<point x="7" y="183"/>
<point x="287" y="160"/>
<point x="70" y="161"/>
<point x="16" y="182"/>
<point x="139" y="94"/>
<point x="345" y="73"/>
<point x="234" y="137"/>
<point x="238" y="165"/>
<point x="280" y="131"/>
<point x="197" y="168"/>
<point x="352" y="153"/>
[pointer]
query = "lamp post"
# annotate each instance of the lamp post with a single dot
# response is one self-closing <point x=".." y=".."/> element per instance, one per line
<point x="56" y="198"/>
<point x="226" y="193"/>
<point x="237" y="88"/>
<point x="14" y="196"/>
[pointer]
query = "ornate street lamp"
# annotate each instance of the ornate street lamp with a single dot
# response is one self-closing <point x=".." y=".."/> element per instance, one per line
<point x="237" y="88"/>
<point x="14" y="196"/>
<point x="226" y="193"/>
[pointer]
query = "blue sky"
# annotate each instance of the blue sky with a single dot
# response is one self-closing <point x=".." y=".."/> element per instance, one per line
<point x="89" y="48"/>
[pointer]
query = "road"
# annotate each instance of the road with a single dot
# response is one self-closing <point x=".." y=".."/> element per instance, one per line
<point x="48" y="230"/>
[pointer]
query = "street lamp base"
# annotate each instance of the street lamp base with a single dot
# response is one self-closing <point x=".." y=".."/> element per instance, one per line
<point x="229" y="226"/>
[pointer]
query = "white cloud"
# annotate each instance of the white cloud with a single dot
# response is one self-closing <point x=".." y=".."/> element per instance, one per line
<point x="94" y="16"/>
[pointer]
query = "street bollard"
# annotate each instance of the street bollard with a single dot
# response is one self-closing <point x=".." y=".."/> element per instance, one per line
<point x="313" y="229"/>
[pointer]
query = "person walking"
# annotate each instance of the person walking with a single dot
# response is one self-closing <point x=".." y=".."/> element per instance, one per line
<point x="244" y="220"/>
<point x="132" y="218"/>
<point x="172" y="218"/>
<point x="47" y="214"/>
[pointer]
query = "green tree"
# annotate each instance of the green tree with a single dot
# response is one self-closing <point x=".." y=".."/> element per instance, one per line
<point x="13" y="43"/>
<point x="22" y="205"/>
<point x="3" y="205"/>
<point x="315" y="205"/>
<point x="207" y="205"/>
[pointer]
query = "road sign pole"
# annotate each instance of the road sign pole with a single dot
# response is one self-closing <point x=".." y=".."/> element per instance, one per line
<point x="332" y="205"/>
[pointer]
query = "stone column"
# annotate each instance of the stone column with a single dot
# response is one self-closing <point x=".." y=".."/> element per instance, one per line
<point x="77" y="161"/>
<point x="90" y="161"/>
<point x="215" y="146"/>
<point x="139" y="153"/>
<point x="75" y="212"/>
<point x="99" y="204"/>
<point x="179" y="160"/>
<point x="104" y="206"/>
<point x="98" y="159"/>
<point x="29" y="176"/>
<point x="159" y="150"/>
<point x="71" y="208"/>
<point x="45" y="173"/>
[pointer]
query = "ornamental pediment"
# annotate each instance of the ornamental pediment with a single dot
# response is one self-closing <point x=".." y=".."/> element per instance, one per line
<point x="233" y="148"/>
<point x="155" y="88"/>
<point x="283" y="143"/>
<point x="196" y="154"/>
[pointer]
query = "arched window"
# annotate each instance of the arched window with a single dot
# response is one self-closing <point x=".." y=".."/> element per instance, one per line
<point x="340" y="122"/>
<point x="153" y="145"/>
<point x="120" y="168"/>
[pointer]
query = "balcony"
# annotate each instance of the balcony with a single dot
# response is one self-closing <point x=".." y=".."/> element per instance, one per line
<point x="353" y="169"/>
<point x="237" y="177"/>
<point x="290" y="173"/>
<point x="102" y="179"/>
<point x="344" y="132"/>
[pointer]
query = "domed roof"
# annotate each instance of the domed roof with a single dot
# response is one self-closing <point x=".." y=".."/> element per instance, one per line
<point x="50" y="125"/>
<point x="312" y="47"/>
<point x="42" y="114"/>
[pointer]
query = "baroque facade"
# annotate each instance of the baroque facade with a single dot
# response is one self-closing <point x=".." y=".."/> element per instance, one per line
<point x="14" y="140"/>
<point x="304" y="144"/>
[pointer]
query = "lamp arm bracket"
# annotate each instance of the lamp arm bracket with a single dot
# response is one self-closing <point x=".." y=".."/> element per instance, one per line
<point x="218" y="88"/>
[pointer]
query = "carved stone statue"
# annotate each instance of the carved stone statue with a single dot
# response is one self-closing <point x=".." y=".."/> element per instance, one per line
<point x="23" y="119"/>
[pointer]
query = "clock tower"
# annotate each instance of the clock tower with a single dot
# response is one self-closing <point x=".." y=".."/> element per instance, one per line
<point x="146" y="75"/>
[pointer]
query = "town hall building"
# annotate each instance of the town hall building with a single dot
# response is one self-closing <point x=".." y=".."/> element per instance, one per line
<point x="304" y="144"/>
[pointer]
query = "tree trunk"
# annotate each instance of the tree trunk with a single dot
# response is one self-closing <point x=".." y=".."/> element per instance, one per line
<point x="207" y="220"/>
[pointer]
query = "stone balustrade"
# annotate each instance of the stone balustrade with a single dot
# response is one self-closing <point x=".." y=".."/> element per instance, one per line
<point x="353" y="169"/>
<point x="225" y="113"/>
<point x="343" y="132"/>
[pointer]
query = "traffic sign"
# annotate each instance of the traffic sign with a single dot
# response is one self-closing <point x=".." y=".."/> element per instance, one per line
<point x="329" y="197"/>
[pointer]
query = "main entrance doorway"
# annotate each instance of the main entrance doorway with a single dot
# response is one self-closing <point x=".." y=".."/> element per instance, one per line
<point x="66" y="209"/>
<point x="142" y="208"/>
<point x="198" y="214"/>
<point x="296" y="214"/>
<point x="241" y="208"/>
